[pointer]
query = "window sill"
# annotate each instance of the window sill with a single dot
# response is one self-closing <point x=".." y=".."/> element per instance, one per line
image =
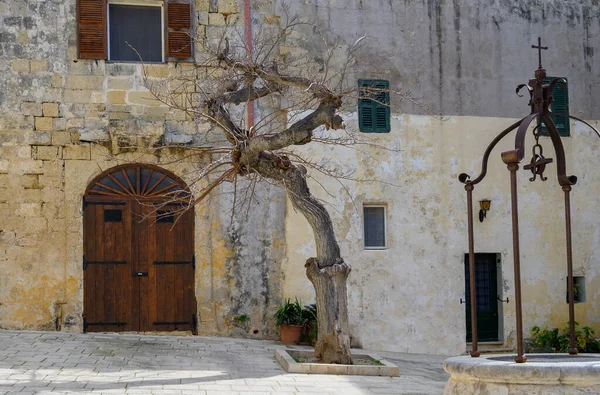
<point x="375" y="248"/>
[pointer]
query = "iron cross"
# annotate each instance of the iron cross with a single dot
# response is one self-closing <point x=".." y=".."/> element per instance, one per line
<point x="539" y="48"/>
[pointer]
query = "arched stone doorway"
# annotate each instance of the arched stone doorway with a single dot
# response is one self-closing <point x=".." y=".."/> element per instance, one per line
<point x="138" y="270"/>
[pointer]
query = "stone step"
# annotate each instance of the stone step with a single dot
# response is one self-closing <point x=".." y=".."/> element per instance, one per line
<point x="492" y="348"/>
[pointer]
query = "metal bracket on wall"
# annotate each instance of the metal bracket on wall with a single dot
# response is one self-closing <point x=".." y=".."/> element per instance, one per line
<point x="86" y="263"/>
<point x="192" y="262"/>
<point x="86" y="324"/>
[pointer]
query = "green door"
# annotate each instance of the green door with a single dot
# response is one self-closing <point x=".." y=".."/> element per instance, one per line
<point x="486" y="283"/>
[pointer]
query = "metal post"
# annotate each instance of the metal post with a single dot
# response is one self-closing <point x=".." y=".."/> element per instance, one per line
<point x="474" y="351"/>
<point x="513" y="167"/>
<point x="571" y="295"/>
<point x="250" y="51"/>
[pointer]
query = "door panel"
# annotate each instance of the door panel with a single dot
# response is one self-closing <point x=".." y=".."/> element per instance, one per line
<point x="107" y="267"/>
<point x="173" y="269"/>
<point x="486" y="280"/>
<point x="144" y="246"/>
<point x="166" y="254"/>
<point x="138" y="267"/>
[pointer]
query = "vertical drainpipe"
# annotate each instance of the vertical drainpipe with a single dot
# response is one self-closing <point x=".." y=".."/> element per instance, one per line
<point x="248" y="25"/>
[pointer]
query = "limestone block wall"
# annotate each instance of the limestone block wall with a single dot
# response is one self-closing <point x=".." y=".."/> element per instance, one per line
<point x="63" y="121"/>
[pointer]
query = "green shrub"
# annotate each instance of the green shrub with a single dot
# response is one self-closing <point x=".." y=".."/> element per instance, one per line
<point x="559" y="340"/>
<point x="310" y="322"/>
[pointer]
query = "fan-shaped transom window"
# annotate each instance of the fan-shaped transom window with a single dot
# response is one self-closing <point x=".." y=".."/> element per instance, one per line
<point x="138" y="181"/>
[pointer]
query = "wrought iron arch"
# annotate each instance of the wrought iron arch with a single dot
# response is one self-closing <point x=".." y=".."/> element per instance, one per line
<point x="540" y="98"/>
<point x="138" y="181"/>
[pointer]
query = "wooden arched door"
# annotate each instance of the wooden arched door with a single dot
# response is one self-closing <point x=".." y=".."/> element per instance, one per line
<point x="138" y="264"/>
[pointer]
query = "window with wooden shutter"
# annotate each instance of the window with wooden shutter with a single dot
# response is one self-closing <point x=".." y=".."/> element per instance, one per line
<point x="135" y="30"/>
<point x="374" y="106"/>
<point x="91" y="29"/>
<point x="179" y="37"/>
<point x="560" y="105"/>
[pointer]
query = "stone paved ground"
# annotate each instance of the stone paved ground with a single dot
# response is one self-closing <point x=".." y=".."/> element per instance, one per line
<point x="61" y="363"/>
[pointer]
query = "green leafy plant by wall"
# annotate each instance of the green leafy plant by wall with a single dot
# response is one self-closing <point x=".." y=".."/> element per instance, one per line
<point x="558" y="340"/>
<point x="290" y="313"/>
<point x="311" y="329"/>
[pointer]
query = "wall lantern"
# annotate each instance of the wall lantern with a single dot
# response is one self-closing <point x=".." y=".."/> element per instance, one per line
<point x="484" y="206"/>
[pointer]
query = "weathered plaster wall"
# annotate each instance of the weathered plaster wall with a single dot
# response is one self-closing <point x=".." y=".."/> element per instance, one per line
<point x="406" y="297"/>
<point x="465" y="59"/>
<point x="463" y="55"/>
<point x="65" y="120"/>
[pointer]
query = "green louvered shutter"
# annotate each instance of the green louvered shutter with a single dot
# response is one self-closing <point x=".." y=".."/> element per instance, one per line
<point x="560" y="105"/>
<point x="373" y="107"/>
<point x="366" y="116"/>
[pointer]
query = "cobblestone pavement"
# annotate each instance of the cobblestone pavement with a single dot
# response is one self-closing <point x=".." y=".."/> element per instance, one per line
<point x="74" y="363"/>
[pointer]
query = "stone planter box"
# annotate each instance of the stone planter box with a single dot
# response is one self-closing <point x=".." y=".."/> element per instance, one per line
<point x="286" y="358"/>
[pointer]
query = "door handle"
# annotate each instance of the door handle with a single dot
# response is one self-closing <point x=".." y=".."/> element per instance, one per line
<point x="139" y="274"/>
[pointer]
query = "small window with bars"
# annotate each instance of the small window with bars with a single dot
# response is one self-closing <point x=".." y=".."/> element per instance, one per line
<point x="374" y="227"/>
<point x="560" y="105"/>
<point x="578" y="289"/>
<point x="374" y="106"/>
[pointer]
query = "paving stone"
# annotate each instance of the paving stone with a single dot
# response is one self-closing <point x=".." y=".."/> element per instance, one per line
<point x="59" y="363"/>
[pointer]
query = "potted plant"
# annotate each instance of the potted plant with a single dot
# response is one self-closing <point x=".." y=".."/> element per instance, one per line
<point x="309" y="316"/>
<point x="290" y="319"/>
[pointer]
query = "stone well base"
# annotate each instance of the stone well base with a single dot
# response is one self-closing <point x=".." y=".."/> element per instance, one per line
<point x="286" y="359"/>
<point x="542" y="374"/>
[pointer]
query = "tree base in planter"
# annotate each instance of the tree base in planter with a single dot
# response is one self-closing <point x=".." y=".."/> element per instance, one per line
<point x="291" y="334"/>
<point x="293" y="362"/>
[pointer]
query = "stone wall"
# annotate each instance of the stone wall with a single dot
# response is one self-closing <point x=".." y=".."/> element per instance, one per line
<point x="465" y="60"/>
<point x="407" y="297"/>
<point x="63" y="121"/>
<point x="464" y="57"/>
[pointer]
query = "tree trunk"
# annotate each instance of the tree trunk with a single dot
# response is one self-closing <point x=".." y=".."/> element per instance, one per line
<point x="328" y="272"/>
<point x="333" y="342"/>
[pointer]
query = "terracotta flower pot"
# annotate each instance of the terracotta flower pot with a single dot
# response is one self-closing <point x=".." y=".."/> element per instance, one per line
<point x="291" y="334"/>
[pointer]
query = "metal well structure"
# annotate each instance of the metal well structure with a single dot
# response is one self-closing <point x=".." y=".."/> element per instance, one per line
<point x="540" y="94"/>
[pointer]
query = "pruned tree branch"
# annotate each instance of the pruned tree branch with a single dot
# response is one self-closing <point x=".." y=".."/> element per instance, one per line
<point x="299" y="101"/>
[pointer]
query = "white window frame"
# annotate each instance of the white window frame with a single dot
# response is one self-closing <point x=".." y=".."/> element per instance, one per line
<point x="144" y="3"/>
<point x="385" y="236"/>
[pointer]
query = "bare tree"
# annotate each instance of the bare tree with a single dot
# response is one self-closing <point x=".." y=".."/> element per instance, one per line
<point x="299" y="103"/>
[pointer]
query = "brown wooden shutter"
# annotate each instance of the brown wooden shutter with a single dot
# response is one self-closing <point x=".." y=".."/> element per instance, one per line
<point x="179" y="30"/>
<point x="91" y="29"/>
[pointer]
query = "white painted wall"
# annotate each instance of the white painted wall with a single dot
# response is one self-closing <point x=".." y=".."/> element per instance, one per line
<point x="406" y="297"/>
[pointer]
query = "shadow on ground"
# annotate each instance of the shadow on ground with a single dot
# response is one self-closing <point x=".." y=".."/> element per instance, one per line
<point x="50" y="362"/>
